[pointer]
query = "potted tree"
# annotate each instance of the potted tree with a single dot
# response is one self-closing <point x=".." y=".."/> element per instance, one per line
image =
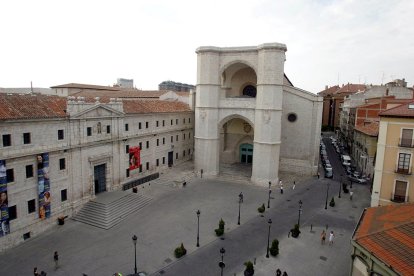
<point x="220" y="230"/>
<point x="332" y="203"/>
<point x="261" y="209"/>
<point x="295" y="231"/>
<point x="249" y="271"/>
<point x="180" y="251"/>
<point x="274" y="249"/>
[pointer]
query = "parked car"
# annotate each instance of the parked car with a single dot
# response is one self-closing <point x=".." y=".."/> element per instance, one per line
<point x="328" y="165"/>
<point x="328" y="173"/>
<point x="324" y="158"/>
<point x="357" y="180"/>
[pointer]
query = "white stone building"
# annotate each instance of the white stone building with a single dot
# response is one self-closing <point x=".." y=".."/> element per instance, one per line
<point x="247" y="111"/>
<point x="87" y="145"/>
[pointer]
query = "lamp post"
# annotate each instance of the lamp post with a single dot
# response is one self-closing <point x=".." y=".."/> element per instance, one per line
<point x="268" y="238"/>
<point x="300" y="211"/>
<point x="238" y="219"/>
<point x="268" y="200"/>
<point x="221" y="263"/>
<point x="198" y="228"/>
<point x="340" y="186"/>
<point x="134" y="240"/>
<point x="327" y="192"/>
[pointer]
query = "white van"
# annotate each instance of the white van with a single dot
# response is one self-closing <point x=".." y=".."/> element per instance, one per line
<point x="346" y="160"/>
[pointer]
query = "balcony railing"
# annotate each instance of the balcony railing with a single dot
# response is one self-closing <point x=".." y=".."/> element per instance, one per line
<point x="403" y="171"/>
<point x="406" y="143"/>
<point x="399" y="198"/>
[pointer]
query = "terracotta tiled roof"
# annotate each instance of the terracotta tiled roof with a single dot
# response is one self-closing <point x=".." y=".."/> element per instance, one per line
<point x="34" y="106"/>
<point x="86" y="86"/>
<point x="137" y="106"/>
<point x="388" y="233"/>
<point x="403" y="110"/>
<point x="351" y="88"/>
<point x="329" y="91"/>
<point x="370" y="129"/>
<point x="154" y="94"/>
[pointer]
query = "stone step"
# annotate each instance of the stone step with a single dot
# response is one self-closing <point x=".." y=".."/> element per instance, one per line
<point x="108" y="215"/>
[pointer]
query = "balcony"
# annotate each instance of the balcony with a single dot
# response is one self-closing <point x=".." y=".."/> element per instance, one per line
<point x="406" y="143"/>
<point x="403" y="171"/>
<point x="399" y="198"/>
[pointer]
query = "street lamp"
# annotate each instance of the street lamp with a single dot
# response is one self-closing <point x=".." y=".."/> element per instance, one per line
<point x="238" y="219"/>
<point x="327" y="192"/>
<point x="221" y="263"/>
<point x="268" y="238"/>
<point x="198" y="228"/>
<point x="340" y="186"/>
<point x="300" y="211"/>
<point x="134" y="240"/>
<point x="268" y="200"/>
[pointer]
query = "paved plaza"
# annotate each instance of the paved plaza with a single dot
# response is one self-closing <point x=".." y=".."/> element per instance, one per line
<point x="171" y="218"/>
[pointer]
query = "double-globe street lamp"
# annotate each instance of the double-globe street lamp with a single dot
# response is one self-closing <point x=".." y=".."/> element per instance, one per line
<point x="134" y="240"/>
<point x="238" y="219"/>
<point x="198" y="227"/>
<point x="268" y="238"/>
<point x="327" y="193"/>
<point x="340" y="186"/>
<point x="268" y="200"/>
<point x="221" y="263"/>
<point x="300" y="211"/>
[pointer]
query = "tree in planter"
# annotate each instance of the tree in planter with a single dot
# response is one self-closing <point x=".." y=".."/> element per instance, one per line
<point x="261" y="209"/>
<point x="332" y="203"/>
<point x="295" y="231"/>
<point x="249" y="271"/>
<point x="220" y="230"/>
<point x="180" y="251"/>
<point x="274" y="249"/>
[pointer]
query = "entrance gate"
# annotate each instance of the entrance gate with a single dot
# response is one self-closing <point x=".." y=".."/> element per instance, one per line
<point x="100" y="178"/>
<point x="246" y="153"/>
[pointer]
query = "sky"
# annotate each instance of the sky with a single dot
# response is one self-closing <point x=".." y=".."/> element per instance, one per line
<point x="329" y="42"/>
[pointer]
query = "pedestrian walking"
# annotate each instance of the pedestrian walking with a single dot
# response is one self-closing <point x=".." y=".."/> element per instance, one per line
<point x="42" y="273"/>
<point x="319" y="174"/>
<point x="281" y="189"/>
<point x="278" y="272"/>
<point x="323" y="237"/>
<point x="56" y="259"/>
<point x="35" y="272"/>
<point x="241" y="196"/>
<point x="284" y="273"/>
<point x="294" y="185"/>
<point x="331" y="238"/>
<point x="351" y="193"/>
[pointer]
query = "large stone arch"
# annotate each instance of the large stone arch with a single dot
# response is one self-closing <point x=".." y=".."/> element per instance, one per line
<point x="235" y="76"/>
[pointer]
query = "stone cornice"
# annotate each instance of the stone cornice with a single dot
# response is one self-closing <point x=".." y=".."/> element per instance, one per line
<point x="264" y="46"/>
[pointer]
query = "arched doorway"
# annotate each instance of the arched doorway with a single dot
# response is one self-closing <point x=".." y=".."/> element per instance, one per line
<point x="246" y="153"/>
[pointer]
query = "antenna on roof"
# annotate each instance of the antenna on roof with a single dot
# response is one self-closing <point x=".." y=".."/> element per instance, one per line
<point x="31" y="87"/>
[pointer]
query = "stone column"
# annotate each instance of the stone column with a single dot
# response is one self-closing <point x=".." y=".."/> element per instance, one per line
<point x="206" y="138"/>
<point x="268" y="113"/>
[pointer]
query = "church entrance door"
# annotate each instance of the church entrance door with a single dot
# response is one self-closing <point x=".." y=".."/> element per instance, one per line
<point x="246" y="153"/>
<point x="100" y="178"/>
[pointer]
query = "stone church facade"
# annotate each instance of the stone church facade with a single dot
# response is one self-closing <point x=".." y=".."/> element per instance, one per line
<point x="247" y="111"/>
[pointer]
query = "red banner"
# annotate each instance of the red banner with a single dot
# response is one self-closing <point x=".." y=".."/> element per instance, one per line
<point x="134" y="158"/>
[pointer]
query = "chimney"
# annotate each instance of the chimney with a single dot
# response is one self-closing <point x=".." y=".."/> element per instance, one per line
<point x="326" y="87"/>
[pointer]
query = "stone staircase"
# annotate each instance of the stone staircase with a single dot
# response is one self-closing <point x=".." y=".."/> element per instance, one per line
<point x="111" y="208"/>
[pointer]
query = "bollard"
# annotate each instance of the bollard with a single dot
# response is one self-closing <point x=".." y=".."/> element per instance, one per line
<point x="254" y="261"/>
<point x="311" y="227"/>
<point x="327" y="227"/>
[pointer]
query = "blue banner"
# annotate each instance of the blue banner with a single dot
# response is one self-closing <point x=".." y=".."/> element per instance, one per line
<point x="4" y="202"/>
<point x="43" y="185"/>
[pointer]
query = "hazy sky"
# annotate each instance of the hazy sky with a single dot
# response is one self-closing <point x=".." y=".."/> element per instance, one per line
<point x="96" y="42"/>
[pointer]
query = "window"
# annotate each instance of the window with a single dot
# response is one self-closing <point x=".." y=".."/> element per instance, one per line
<point x="31" y="206"/>
<point x="189" y="135"/>
<point x="158" y="162"/>
<point x="292" y="117"/>
<point x="127" y="149"/>
<point x="127" y="172"/>
<point x="250" y="91"/>
<point x="158" y="142"/>
<point x="147" y="166"/>
<point x="176" y="137"/>
<point x="176" y="155"/>
<point x="62" y="163"/>
<point x="10" y="175"/>
<point x="146" y="124"/>
<point x="184" y="121"/>
<point x="6" y="140"/>
<point x="63" y="195"/>
<point x="172" y="122"/>
<point x="140" y="168"/>
<point x="163" y="122"/>
<point x="99" y="127"/>
<point x="26" y="138"/>
<point x="406" y="138"/>
<point x="163" y="140"/>
<point x="183" y="153"/>
<point x="172" y="139"/>
<point x="140" y="145"/>
<point x="183" y="136"/>
<point x="399" y="191"/>
<point x="147" y="144"/>
<point x="189" y="151"/>
<point x="176" y="121"/>
<point x="108" y="129"/>
<point x="163" y="160"/>
<point x="89" y="131"/>
<point x="29" y="171"/>
<point x="61" y="134"/>
<point x="404" y="163"/>
<point x="139" y="126"/>
<point x="12" y="213"/>
<point x="157" y="123"/>
<point x="126" y="127"/>
<point x="189" y="120"/>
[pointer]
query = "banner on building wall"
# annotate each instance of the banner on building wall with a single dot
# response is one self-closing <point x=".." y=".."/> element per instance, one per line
<point x="43" y="185"/>
<point x="4" y="202"/>
<point x="134" y="158"/>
